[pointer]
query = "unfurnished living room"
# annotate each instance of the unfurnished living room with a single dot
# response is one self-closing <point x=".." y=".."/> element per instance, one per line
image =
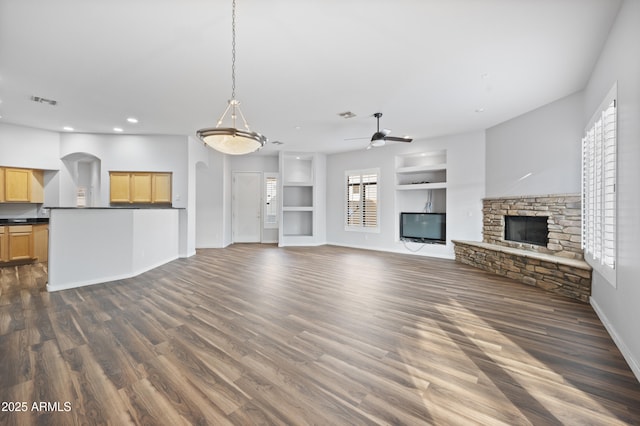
<point x="359" y="212"/>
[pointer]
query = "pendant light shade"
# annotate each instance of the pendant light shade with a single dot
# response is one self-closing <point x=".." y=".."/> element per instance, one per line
<point x="231" y="140"/>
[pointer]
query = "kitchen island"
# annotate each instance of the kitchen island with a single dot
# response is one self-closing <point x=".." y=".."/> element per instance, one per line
<point x="101" y="244"/>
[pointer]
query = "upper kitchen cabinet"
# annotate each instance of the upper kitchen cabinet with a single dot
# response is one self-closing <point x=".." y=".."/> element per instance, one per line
<point x="21" y="185"/>
<point x="140" y="187"/>
<point x="119" y="187"/>
<point x="161" y="188"/>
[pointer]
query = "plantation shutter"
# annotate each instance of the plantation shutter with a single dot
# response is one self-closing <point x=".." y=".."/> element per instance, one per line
<point x="370" y="200"/>
<point x="354" y="213"/>
<point x="599" y="189"/>
<point x="362" y="200"/>
<point x="609" y="185"/>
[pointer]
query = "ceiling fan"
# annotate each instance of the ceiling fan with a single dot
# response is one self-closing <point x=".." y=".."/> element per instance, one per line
<point x="380" y="137"/>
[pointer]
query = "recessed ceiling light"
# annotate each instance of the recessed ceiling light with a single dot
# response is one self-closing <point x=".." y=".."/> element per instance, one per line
<point x="68" y="128"/>
<point x="297" y="127"/>
<point x="480" y="109"/>
<point x="132" y="120"/>
<point x="277" y="143"/>
<point x="117" y="129"/>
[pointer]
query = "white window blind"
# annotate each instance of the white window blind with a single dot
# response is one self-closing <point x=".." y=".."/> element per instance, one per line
<point x="362" y="200"/>
<point x="271" y="203"/>
<point x="599" y="191"/>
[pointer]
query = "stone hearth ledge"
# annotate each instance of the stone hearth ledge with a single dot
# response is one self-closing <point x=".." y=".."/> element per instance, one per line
<point x="561" y="275"/>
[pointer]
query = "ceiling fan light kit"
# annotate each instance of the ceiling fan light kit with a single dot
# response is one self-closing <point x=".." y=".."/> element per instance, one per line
<point x="380" y="137"/>
<point x="231" y="140"/>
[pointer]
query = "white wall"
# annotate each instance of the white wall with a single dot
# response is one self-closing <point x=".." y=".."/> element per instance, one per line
<point x="619" y="307"/>
<point x="537" y="153"/>
<point x="210" y="181"/>
<point x="83" y="251"/>
<point x="29" y="148"/>
<point x="153" y="153"/>
<point x="465" y="190"/>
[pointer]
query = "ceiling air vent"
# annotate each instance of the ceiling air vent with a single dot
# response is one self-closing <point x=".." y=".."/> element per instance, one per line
<point x="346" y="114"/>
<point x="43" y="100"/>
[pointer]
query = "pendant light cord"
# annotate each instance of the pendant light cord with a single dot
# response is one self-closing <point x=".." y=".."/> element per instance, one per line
<point x="233" y="50"/>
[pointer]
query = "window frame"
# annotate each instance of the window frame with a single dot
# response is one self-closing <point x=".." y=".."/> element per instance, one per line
<point x="599" y="188"/>
<point x="361" y="227"/>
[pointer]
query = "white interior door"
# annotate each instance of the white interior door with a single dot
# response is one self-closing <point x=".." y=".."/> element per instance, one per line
<point x="247" y="207"/>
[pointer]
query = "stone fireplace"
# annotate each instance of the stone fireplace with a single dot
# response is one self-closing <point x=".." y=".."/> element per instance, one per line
<point x="564" y="222"/>
<point x="554" y="262"/>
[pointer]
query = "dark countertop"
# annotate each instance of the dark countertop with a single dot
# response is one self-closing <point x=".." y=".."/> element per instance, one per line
<point x="24" y="221"/>
<point x="127" y="207"/>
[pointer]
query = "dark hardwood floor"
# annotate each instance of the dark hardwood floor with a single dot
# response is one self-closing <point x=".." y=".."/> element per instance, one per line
<point x="256" y="334"/>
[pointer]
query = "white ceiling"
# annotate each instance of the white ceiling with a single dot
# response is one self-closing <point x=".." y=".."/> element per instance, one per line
<point x="427" y="65"/>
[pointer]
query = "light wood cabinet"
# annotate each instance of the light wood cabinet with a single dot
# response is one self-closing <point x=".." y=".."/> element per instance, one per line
<point x="17" y="185"/>
<point x="37" y="186"/>
<point x="1" y="184"/>
<point x="161" y="188"/>
<point x="120" y="187"/>
<point x="4" y="244"/>
<point x="41" y="242"/>
<point x="21" y="185"/>
<point x="140" y="187"/>
<point x="20" y="242"/>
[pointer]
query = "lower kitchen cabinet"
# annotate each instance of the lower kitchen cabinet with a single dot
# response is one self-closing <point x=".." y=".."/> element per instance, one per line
<point x="20" y="242"/>
<point x="4" y="244"/>
<point x="41" y="242"/>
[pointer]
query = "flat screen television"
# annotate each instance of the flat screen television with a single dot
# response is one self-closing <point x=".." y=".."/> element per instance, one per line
<point x="423" y="227"/>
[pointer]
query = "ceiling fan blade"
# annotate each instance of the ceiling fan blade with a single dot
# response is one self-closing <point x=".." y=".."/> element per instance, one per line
<point x="385" y="131"/>
<point x="396" y="139"/>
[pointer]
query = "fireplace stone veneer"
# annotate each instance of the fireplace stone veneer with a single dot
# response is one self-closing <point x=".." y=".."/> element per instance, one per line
<point x="564" y="220"/>
<point x="558" y="267"/>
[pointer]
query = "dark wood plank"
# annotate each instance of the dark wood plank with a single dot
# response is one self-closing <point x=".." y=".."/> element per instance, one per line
<point x="256" y="334"/>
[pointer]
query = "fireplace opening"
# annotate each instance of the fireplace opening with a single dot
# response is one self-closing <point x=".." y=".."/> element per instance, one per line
<point x="527" y="229"/>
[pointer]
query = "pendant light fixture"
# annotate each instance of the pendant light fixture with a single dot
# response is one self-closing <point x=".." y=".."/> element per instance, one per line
<point x="231" y="140"/>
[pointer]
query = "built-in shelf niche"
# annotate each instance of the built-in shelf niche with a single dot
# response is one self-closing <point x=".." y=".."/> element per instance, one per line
<point x="421" y="182"/>
<point x="297" y="169"/>
<point x="297" y="223"/>
<point x="424" y="170"/>
<point x="298" y="196"/>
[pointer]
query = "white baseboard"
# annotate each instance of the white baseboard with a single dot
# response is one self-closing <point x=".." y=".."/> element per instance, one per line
<point x="626" y="353"/>
<point x="356" y="246"/>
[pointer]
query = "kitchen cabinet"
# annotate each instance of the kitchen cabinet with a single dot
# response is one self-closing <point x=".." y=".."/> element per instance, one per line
<point x="1" y="184"/>
<point x="41" y="242"/>
<point x="4" y="244"/>
<point x="140" y="187"/>
<point x="37" y="187"/>
<point x="161" y="188"/>
<point x="120" y="187"/>
<point x="21" y="185"/>
<point x="20" y="242"/>
<point x="17" y="185"/>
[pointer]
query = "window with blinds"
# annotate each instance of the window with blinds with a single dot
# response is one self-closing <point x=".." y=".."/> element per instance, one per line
<point x="599" y="190"/>
<point x="271" y="200"/>
<point x="362" y="200"/>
